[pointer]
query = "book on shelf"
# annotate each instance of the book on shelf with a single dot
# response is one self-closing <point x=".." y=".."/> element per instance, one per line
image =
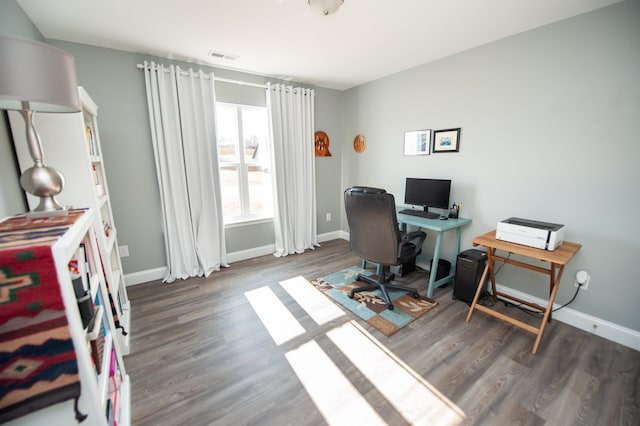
<point x="110" y="413"/>
<point x="79" y="271"/>
<point x="80" y="280"/>
<point x="107" y="228"/>
<point x="96" y="180"/>
<point x="97" y="350"/>
<point x="91" y="142"/>
<point x="94" y="170"/>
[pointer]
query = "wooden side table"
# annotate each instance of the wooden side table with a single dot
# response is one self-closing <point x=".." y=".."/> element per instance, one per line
<point x="557" y="260"/>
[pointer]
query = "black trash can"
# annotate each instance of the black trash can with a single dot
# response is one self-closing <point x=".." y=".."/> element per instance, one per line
<point x="404" y="268"/>
<point x="469" y="269"/>
<point x="444" y="267"/>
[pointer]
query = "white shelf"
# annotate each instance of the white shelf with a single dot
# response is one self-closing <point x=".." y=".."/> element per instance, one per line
<point x="125" y="397"/>
<point x="111" y="240"/>
<point x="102" y="200"/>
<point x="94" y="379"/>
<point x="104" y="368"/>
<point x="65" y="146"/>
<point x="97" y="325"/>
<point x="125" y="321"/>
<point x="64" y="142"/>
<point x="94" y="284"/>
<point x="117" y="276"/>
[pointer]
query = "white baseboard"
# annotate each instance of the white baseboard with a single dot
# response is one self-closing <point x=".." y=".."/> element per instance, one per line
<point x="236" y="256"/>
<point x="331" y="236"/>
<point x="145" y="276"/>
<point x="599" y="327"/>
<point x="159" y="273"/>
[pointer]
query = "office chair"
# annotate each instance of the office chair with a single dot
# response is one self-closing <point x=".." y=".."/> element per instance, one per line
<point x="376" y="237"/>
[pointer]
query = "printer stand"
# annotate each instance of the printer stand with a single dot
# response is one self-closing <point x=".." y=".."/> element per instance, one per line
<point x="557" y="260"/>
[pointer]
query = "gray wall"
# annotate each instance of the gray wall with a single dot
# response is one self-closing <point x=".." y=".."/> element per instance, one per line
<point x="550" y="125"/>
<point x="12" y="200"/>
<point x="117" y="87"/>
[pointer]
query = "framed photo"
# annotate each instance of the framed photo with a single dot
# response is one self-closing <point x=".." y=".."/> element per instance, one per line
<point x="447" y="140"/>
<point x="417" y="142"/>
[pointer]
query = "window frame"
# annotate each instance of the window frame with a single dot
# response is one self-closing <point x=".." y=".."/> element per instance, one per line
<point x="242" y="166"/>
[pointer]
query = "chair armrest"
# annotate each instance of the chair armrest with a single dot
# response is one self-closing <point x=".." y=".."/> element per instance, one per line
<point x="413" y="235"/>
<point x="412" y="241"/>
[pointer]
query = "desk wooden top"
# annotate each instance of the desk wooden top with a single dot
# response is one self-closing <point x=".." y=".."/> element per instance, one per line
<point x="560" y="256"/>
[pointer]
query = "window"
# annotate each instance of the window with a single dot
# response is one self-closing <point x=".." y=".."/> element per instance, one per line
<point x="244" y="161"/>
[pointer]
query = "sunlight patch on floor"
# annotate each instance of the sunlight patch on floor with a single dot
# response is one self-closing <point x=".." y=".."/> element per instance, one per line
<point x="311" y="300"/>
<point x="338" y="400"/>
<point x="279" y="322"/>
<point x="412" y="396"/>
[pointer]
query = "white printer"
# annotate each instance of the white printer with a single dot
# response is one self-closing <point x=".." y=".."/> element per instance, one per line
<point x="542" y="235"/>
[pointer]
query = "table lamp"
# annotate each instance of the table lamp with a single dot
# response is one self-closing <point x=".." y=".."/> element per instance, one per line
<point x="37" y="77"/>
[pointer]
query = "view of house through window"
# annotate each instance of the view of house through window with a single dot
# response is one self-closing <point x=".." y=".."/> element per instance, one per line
<point x="244" y="160"/>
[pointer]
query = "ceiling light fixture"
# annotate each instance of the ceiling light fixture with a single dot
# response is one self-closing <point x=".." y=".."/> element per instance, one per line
<point x="324" y="7"/>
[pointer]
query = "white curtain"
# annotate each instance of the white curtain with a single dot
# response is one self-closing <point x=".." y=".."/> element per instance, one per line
<point x="291" y="117"/>
<point x="182" y="116"/>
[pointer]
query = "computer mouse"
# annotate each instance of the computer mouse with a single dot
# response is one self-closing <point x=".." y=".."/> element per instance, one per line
<point x="443" y="218"/>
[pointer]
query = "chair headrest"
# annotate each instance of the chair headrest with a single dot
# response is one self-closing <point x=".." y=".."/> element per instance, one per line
<point x="365" y="190"/>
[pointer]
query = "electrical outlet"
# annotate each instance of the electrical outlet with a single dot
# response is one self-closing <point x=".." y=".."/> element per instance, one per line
<point x="586" y="283"/>
<point x="328" y="217"/>
<point x="582" y="280"/>
<point x="124" y="251"/>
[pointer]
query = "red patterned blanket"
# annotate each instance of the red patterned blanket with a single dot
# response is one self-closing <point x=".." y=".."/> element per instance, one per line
<point x="38" y="364"/>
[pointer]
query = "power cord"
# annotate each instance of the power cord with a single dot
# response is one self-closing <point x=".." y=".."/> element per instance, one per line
<point x="539" y="314"/>
<point x="487" y="298"/>
<point x="572" y="299"/>
<point x="487" y="301"/>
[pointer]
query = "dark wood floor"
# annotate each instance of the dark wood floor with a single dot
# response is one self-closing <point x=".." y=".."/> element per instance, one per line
<point x="201" y="356"/>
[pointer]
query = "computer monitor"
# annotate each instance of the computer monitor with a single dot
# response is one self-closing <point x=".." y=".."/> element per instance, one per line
<point x="427" y="193"/>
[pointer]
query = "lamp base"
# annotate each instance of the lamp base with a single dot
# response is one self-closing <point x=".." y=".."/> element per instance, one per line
<point x="44" y="182"/>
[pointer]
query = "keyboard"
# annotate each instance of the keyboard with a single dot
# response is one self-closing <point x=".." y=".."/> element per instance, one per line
<point x="420" y="213"/>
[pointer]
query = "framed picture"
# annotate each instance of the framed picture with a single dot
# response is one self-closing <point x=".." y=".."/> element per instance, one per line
<point x="447" y="140"/>
<point x="417" y="142"/>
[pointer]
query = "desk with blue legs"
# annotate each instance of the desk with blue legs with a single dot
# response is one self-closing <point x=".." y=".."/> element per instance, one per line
<point x="440" y="227"/>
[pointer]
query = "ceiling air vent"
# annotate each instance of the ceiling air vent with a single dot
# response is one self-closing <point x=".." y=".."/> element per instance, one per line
<point x="220" y="55"/>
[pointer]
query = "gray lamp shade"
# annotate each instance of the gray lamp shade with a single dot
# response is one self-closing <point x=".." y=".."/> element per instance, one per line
<point x="37" y="73"/>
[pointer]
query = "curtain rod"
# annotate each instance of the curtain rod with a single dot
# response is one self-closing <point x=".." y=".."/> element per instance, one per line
<point x="221" y="79"/>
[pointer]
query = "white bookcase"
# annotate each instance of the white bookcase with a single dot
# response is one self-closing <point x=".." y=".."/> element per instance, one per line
<point x="105" y="389"/>
<point x="71" y="144"/>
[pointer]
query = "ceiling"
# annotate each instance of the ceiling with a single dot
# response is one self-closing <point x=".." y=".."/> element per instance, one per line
<point x="363" y="41"/>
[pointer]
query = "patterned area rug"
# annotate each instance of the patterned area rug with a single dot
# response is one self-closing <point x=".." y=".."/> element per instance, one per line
<point x="369" y="305"/>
